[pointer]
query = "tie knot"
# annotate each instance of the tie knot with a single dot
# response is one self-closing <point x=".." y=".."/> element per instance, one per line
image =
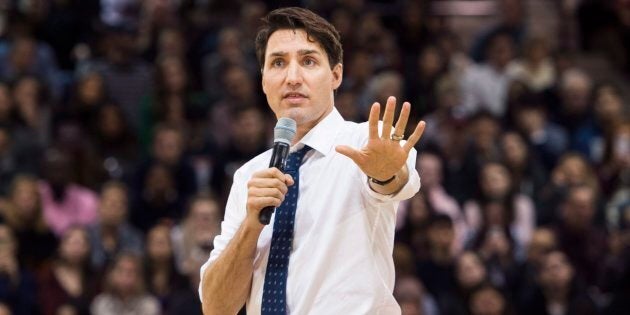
<point x="295" y="158"/>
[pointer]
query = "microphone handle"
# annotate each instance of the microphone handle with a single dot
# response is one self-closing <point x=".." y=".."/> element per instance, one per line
<point x="278" y="160"/>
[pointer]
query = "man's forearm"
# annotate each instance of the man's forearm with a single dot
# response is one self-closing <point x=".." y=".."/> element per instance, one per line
<point x="227" y="282"/>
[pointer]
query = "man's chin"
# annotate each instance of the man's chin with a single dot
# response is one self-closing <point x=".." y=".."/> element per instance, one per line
<point x="295" y="113"/>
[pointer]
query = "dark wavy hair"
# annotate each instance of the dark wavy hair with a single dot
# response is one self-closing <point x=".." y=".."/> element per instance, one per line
<point x="317" y="30"/>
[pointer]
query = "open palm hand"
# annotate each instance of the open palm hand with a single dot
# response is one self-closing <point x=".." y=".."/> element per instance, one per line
<point x="383" y="156"/>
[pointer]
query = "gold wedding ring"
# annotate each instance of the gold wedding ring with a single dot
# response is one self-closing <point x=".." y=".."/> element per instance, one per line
<point x="396" y="137"/>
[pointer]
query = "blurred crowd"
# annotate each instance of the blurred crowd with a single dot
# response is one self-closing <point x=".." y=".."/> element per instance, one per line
<point x="123" y="121"/>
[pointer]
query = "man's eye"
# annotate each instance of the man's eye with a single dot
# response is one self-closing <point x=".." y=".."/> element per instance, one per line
<point x="277" y="63"/>
<point x="309" y="62"/>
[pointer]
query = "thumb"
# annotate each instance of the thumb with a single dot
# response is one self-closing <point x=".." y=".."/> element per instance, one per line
<point x="348" y="151"/>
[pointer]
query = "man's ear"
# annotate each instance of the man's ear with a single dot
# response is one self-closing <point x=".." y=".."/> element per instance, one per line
<point x="337" y="73"/>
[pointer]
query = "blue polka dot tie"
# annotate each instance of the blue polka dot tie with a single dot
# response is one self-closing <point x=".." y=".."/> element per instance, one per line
<point x="275" y="288"/>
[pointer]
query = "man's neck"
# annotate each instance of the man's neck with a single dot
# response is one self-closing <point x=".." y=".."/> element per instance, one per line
<point x="305" y="128"/>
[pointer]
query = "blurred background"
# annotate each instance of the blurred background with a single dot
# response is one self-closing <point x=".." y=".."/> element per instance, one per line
<point x="123" y="121"/>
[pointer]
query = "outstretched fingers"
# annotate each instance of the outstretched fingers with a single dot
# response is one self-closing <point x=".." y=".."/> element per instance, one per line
<point x="375" y="112"/>
<point x="402" y="120"/>
<point x="388" y="117"/>
<point x="415" y="136"/>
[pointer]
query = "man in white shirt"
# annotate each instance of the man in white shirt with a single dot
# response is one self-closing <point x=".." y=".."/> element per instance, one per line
<point x="485" y="86"/>
<point x="340" y="256"/>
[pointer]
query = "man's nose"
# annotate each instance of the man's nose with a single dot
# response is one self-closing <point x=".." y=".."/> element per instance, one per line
<point x="294" y="74"/>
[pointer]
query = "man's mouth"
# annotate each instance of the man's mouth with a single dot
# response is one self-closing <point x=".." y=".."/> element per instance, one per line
<point x="293" y="96"/>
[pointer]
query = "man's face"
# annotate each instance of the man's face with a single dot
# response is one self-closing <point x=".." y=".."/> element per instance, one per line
<point x="297" y="78"/>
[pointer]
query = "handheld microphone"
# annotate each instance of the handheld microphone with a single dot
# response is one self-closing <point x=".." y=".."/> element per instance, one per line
<point x="283" y="135"/>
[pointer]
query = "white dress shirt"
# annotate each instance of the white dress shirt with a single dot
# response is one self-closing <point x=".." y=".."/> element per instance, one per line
<point x="341" y="260"/>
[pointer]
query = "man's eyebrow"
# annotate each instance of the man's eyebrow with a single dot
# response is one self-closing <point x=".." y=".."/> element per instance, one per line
<point x="277" y="54"/>
<point x="308" y="52"/>
<point x="301" y="52"/>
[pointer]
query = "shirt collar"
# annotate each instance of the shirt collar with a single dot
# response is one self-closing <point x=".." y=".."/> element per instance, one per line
<point x="322" y="137"/>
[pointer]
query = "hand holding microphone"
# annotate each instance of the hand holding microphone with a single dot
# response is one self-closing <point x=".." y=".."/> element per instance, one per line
<point x="284" y="132"/>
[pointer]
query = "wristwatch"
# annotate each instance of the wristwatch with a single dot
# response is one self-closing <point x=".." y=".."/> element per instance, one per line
<point x="381" y="183"/>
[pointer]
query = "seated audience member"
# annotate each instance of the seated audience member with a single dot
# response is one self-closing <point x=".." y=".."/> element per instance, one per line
<point x="558" y="290"/>
<point x="124" y="290"/>
<point x="159" y="200"/>
<point x="163" y="182"/>
<point x="470" y="273"/>
<point x="547" y="139"/>
<point x="572" y="169"/>
<point x="31" y="131"/>
<point x="64" y="202"/>
<point x="87" y="95"/>
<point x="113" y="234"/>
<point x="18" y="287"/>
<point x="496" y="248"/>
<point x="160" y="274"/>
<point x="441" y="122"/>
<point x="127" y="77"/>
<point x="575" y="110"/>
<point x="115" y="145"/>
<point x="437" y="270"/>
<point x="579" y="237"/>
<point x="524" y="275"/>
<point x="412" y="225"/>
<point x="68" y="283"/>
<point x="194" y="235"/>
<point x="528" y="173"/>
<point x="608" y="112"/>
<point x="26" y="55"/>
<point x="535" y="69"/>
<point x="485" y="85"/>
<point x="430" y="67"/>
<point x="23" y="214"/>
<point x="512" y="20"/>
<point x="480" y="145"/>
<point x="497" y="200"/>
<point x="173" y="99"/>
<point x="430" y="167"/>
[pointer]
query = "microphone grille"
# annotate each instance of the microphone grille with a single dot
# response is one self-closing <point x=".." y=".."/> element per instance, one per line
<point x="284" y="130"/>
